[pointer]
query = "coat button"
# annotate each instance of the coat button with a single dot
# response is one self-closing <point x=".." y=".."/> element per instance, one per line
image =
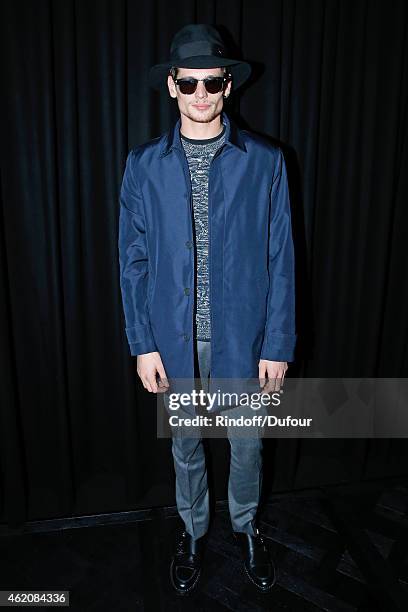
<point x="189" y="244"/>
<point x="186" y="337"/>
<point x="187" y="290"/>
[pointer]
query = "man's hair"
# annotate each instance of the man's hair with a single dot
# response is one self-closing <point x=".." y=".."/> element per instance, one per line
<point x="173" y="71"/>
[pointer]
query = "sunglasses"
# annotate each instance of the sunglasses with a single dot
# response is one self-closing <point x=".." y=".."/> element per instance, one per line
<point x="213" y="85"/>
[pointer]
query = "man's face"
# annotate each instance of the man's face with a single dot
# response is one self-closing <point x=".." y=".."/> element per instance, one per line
<point x="200" y="106"/>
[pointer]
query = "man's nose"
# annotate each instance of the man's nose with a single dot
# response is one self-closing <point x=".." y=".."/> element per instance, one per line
<point x="201" y="91"/>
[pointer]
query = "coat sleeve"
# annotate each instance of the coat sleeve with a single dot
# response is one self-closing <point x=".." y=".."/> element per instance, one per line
<point x="134" y="264"/>
<point x="280" y="335"/>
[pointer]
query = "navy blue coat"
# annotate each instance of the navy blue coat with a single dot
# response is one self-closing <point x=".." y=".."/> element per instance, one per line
<point x="251" y="254"/>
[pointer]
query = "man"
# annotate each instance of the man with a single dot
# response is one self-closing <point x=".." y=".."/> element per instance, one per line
<point x="207" y="273"/>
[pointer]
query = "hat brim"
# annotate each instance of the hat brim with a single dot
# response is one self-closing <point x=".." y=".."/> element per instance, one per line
<point x="240" y="71"/>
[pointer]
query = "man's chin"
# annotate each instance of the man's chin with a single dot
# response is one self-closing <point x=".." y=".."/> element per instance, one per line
<point x="202" y="116"/>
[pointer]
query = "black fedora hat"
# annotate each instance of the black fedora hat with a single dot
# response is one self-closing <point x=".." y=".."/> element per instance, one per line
<point x="199" y="46"/>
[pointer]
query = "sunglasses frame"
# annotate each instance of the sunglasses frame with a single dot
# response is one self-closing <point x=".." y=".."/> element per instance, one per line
<point x="225" y="79"/>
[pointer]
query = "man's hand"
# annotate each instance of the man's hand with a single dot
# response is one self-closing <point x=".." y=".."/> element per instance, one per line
<point x="275" y="370"/>
<point x="148" y="366"/>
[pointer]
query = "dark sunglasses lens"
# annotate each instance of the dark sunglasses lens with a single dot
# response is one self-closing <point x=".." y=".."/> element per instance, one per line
<point x="214" y="85"/>
<point x="187" y="87"/>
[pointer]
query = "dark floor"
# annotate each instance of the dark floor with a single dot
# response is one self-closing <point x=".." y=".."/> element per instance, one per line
<point x="336" y="550"/>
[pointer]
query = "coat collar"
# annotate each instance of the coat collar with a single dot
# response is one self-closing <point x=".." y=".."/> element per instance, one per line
<point x="233" y="136"/>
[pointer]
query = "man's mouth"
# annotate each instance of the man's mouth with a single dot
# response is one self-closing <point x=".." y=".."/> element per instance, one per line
<point x="201" y="106"/>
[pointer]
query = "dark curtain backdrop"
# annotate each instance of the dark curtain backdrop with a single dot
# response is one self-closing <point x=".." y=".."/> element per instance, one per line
<point x="78" y="430"/>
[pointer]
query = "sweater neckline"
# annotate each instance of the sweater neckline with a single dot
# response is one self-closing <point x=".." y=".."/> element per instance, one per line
<point x="204" y="141"/>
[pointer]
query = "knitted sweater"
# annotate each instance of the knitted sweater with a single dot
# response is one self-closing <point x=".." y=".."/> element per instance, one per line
<point x="199" y="154"/>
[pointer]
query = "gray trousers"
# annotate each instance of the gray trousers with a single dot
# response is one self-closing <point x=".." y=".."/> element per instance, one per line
<point x="245" y="476"/>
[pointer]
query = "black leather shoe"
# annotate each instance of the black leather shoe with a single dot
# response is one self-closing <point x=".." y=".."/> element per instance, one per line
<point x="257" y="560"/>
<point x="185" y="567"/>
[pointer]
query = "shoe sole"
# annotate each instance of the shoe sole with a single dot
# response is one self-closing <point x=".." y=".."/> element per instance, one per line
<point x="262" y="590"/>
<point x="190" y="588"/>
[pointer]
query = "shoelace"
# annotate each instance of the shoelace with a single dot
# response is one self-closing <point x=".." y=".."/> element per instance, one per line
<point x="181" y="544"/>
<point x="259" y="537"/>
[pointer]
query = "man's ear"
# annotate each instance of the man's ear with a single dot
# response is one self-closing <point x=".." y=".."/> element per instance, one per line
<point x="171" y="87"/>
<point x="227" y="91"/>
